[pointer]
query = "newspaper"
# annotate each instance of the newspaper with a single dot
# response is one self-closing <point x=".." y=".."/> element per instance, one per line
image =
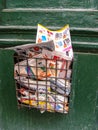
<point x="45" y="101"/>
<point x="35" y="69"/>
<point x="35" y="85"/>
<point x="61" y="38"/>
<point x="58" y="64"/>
<point x="33" y="49"/>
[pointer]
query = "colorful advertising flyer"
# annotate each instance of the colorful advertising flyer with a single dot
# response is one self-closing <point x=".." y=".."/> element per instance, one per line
<point x="61" y="38"/>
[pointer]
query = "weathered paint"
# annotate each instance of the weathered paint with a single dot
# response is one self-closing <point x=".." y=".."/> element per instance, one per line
<point x="73" y="18"/>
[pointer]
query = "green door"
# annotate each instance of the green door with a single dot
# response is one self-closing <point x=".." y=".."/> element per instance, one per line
<point x="18" y="23"/>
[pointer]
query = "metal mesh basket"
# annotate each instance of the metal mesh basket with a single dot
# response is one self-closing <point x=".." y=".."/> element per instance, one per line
<point x="42" y="83"/>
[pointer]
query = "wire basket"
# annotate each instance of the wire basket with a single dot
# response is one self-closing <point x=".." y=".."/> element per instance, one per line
<point x="42" y="83"/>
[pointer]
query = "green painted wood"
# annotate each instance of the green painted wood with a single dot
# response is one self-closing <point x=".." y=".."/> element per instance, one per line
<point x="96" y="111"/>
<point x="1" y="7"/>
<point x="51" y="3"/>
<point x="97" y="98"/>
<point x="96" y="118"/>
<point x="18" y="20"/>
<point x="83" y="100"/>
<point x="51" y="17"/>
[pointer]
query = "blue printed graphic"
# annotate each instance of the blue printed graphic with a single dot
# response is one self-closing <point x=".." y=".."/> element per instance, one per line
<point x="43" y="38"/>
<point x="60" y="43"/>
<point x="58" y="107"/>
